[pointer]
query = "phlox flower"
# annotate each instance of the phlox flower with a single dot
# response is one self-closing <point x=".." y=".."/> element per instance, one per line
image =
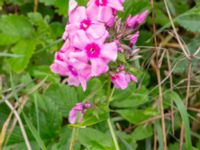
<point x="135" y="21"/>
<point x="78" y="109"/>
<point x="121" y="79"/>
<point x="104" y="10"/>
<point x="94" y="52"/>
<point x="77" y="73"/>
<point x="79" y="20"/>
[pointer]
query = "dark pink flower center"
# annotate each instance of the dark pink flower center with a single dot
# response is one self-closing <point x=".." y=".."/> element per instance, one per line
<point x="93" y="50"/>
<point x="101" y="2"/>
<point x="85" y="24"/>
<point x="72" y="70"/>
<point x="58" y="57"/>
<point x="115" y="77"/>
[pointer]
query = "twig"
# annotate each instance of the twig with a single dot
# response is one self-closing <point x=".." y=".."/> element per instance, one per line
<point x="35" y="6"/>
<point x="184" y="49"/>
<point x="4" y="129"/>
<point x="23" y="101"/>
<point x="157" y="69"/>
<point x="20" y="123"/>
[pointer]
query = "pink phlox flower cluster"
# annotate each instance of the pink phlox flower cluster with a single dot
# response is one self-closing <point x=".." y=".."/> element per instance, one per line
<point x="121" y="79"/>
<point x="77" y="112"/>
<point x="85" y="53"/>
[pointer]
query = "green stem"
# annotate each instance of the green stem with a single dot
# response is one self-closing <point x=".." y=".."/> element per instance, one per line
<point x="73" y="139"/>
<point x="113" y="134"/>
<point x="110" y="97"/>
<point x="114" y="137"/>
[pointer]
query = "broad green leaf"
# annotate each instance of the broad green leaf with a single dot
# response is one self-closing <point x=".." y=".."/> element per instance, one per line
<point x="15" y="26"/>
<point x="47" y="120"/>
<point x="135" y="116"/>
<point x="24" y="48"/>
<point x="95" y="140"/>
<point x="7" y="39"/>
<point x="62" y="6"/>
<point x="142" y="132"/>
<point x="64" y="97"/>
<point x="190" y="22"/>
<point x="130" y="97"/>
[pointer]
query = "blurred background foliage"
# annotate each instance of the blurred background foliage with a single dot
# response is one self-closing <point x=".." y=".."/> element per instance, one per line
<point x="30" y="34"/>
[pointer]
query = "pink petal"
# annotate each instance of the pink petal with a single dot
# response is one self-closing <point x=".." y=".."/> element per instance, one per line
<point x="78" y="56"/>
<point x="142" y="16"/>
<point x="71" y="29"/>
<point x="98" y="67"/>
<point x="79" y="108"/>
<point x="131" y="21"/>
<point x="120" y="80"/>
<point x="102" y="39"/>
<point x="134" y="38"/>
<point x="72" y="116"/>
<point x="116" y="4"/>
<point x="104" y="14"/>
<point x="133" y="78"/>
<point x="92" y="11"/>
<point x="73" y="81"/>
<point x="109" y="51"/>
<point x="83" y="83"/>
<point x="111" y="22"/>
<point x="59" y="67"/>
<point x="65" y="46"/>
<point x="77" y="15"/>
<point x="80" y="39"/>
<point x="96" y="30"/>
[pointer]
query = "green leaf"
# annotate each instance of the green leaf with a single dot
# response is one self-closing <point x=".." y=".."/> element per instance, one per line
<point x="47" y="117"/>
<point x="15" y="26"/>
<point x="64" y="97"/>
<point x="130" y="97"/>
<point x="191" y="22"/>
<point x="132" y="7"/>
<point x="24" y="48"/>
<point x="142" y="132"/>
<point x="62" y="6"/>
<point x="132" y="116"/>
<point x="95" y="140"/>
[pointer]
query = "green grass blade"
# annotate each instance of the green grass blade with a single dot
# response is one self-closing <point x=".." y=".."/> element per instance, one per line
<point x="10" y="55"/>
<point x="35" y="133"/>
<point x="185" y="118"/>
